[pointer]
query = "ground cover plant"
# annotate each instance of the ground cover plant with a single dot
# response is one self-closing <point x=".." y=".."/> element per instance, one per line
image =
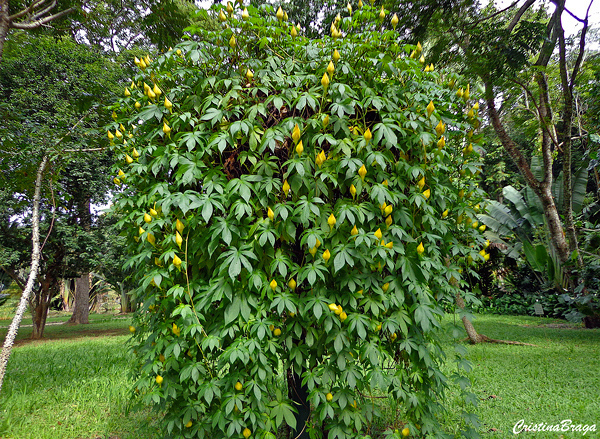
<point x="295" y="201"/>
<point x="80" y="388"/>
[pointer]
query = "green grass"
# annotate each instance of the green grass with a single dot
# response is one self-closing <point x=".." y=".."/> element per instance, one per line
<point x="76" y="384"/>
<point x="555" y="380"/>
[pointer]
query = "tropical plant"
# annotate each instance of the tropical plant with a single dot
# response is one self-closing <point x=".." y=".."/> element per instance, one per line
<point x="295" y="210"/>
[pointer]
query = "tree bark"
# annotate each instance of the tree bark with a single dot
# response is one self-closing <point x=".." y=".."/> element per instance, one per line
<point x="81" y="306"/>
<point x="35" y="265"/>
<point x="4" y="24"/>
<point x="39" y="312"/>
<point x="474" y="337"/>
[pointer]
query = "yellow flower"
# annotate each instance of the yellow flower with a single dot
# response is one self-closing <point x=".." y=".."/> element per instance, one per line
<point x="321" y="157"/>
<point x="318" y="243"/>
<point x="299" y="148"/>
<point x="325" y="81"/>
<point x="395" y="21"/>
<point x="276" y="333"/>
<point x="296" y="133"/>
<point x="378" y="233"/>
<point x="232" y="41"/>
<point x="440" y="128"/>
<point x="270" y="214"/>
<point x="176" y="261"/>
<point x="430" y="108"/>
<point x="349" y="7"/>
<point x="326" y="255"/>
<point x="385" y="287"/>
<point x="147" y="218"/>
<point x="441" y="143"/>
<point x="279" y="14"/>
<point x="166" y="128"/>
<point x="176" y="330"/>
<point x="150" y="238"/>
<point x="286" y="188"/>
<point x="179" y="226"/>
<point x="333" y="307"/>
<point x="336" y="55"/>
<point x="445" y="213"/>
<point x="135" y="154"/>
<point x="326" y="121"/>
<point x="330" y="68"/>
<point x="362" y="172"/>
<point x="137" y="105"/>
<point x="422" y="59"/>
<point x="388" y="221"/>
<point x="313" y="251"/>
<point x="368" y="135"/>
<point x="127" y="92"/>
<point x="273" y="284"/>
<point x="343" y="316"/>
<point x="117" y="181"/>
<point x="389" y="245"/>
<point x="381" y="13"/>
<point x="178" y="239"/>
<point x="292" y="284"/>
<point x="420" y="249"/>
<point x="141" y="231"/>
<point x="189" y="424"/>
<point x="353" y="190"/>
<point x="245" y="14"/>
<point x="427" y="193"/>
<point x="153" y="212"/>
<point x="294" y="32"/>
<point x="331" y="220"/>
<point x="421" y="183"/>
<point x="222" y="16"/>
<point x="249" y="75"/>
<point x="159" y="380"/>
<point x="388" y="210"/>
<point x="482" y="228"/>
<point x="354" y="231"/>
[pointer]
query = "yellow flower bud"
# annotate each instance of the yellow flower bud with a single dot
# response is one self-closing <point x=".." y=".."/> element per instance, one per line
<point x="135" y="154"/>
<point x="176" y="261"/>
<point x="368" y="135"/>
<point x="326" y="255"/>
<point x="354" y="231"/>
<point x="353" y="190"/>
<point x="294" y="32"/>
<point x="349" y="8"/>
<point x="168" y="104"/>
<point x="395" y="21"/>
<point x="166" y="128"/>
<point x="421" y="183"/>
<point x="382" y="13"/>
<point x="179" y="226"/>
<point x="270" y="214"/>
<point x="378" y="234"/>
<point x="296" y="133"/>
<point x="325" y="81"/>
<point x="336" y="55"/>
<point x="420" y="249"/>
<point x="388" y="221"/>
<point x="222" y="16"/>
<point x="331" y="220"/>
<point x="333" y="307"/>
<point x="441" y="143"/>
<point x="128" y="159"/>
<point x="330" y="68"/>
<point x="245" y="14"/>
<point x="419" y="47"/>
<point x="229" y="8"/>
<point x="127" y="92"/>
<point x="360" y="4"/>
<point x="232" y="42"/>
<point x="110" y="135"/>
<point x="273" y="284"/>
<point x="147" y="218"/>
<point x="150" y="238"/>
<point x="430" y="108"/>
<point x="137" y="105"/>
<point x="387" y="210"/>
<point x="279" y="14"/>
<point x="427" y="193"/>
<point x="178" y="239"/>
<point x="440" y="128"/>
<point x="249" y="75"/>
<point x="299" y="148"/>
<point x="422" y="59"/>
<point x="313" y="250"/>
<point x="445" y="213"/>
<point x="482" y="228"/>
<point x="286" y="188"/>
<point x="292" y="284"/>
<point x="362" y="172"/>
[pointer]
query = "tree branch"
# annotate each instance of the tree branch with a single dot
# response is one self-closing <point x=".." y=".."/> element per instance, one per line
<point x="38" y="23"/>
<point x="44" y="11"/>
<point x="11" y="273"/>
<point x="519" y="14"/>
<point x="508" y="144"/>
<point x="27" y="10"/>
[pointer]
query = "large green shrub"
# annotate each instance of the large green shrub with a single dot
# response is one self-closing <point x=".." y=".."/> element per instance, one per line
<point x="294" y="214"/>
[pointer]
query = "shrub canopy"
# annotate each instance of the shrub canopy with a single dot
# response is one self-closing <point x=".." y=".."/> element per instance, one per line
<point x="294" y="205"/>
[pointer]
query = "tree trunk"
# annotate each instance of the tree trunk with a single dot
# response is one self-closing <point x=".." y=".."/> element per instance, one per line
<point x="298" y="393"/>
<point x="474" y="337"/>
<point x="4" y="24"/>
<point x="81" y="306"/>
<point x="35" y="265"/>
<point x="125" y="302"/>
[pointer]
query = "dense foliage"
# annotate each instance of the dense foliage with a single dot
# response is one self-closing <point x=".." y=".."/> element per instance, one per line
<point x="295" y="205"/>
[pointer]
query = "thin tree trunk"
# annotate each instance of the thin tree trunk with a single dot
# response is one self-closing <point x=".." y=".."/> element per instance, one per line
<point x="474" y="337"/>
<point x="35" y="265"/>
<point x="39" y="313"/>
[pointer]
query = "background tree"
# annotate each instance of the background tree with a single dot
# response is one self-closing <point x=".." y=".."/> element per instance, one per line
<point x="44" y="99"/>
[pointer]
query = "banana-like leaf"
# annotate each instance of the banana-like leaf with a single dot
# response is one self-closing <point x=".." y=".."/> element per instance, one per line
<point x="515" y="197"/>
<point x="536" y="256"/>
<point x="558" y="188"/>
<point x="579" y="189"/>
<point x="537" y="167"/>
<point x="499" y="218"/>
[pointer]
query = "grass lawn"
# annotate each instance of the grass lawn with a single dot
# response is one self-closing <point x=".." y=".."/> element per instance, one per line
<point x="76" y="383"/>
